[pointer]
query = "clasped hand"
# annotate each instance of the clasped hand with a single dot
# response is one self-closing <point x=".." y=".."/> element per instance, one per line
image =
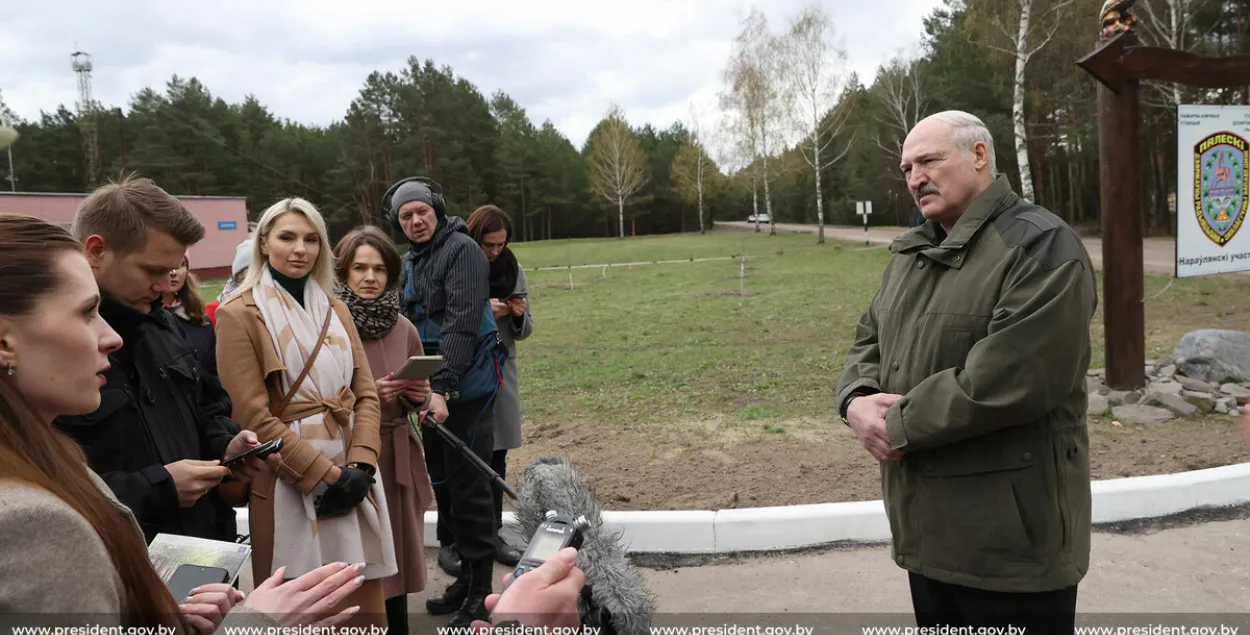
<point x="866" y="416"/>
<point x="346" y="493"/>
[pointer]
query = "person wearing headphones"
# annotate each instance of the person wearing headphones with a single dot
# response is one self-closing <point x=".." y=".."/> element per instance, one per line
<point x="445" y="293"/>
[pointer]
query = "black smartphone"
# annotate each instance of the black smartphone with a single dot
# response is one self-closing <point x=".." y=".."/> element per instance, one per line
<point x="189" y="576"/>
<point x="261" y="451"/>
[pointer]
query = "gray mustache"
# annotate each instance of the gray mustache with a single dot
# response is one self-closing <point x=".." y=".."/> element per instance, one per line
<point x="925" y="190"/>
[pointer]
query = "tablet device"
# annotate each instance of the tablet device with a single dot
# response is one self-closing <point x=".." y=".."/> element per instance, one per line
<point x="420" y="367"/>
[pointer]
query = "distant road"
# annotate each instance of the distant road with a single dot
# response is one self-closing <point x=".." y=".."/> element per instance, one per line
<point x="1158" y="254"/>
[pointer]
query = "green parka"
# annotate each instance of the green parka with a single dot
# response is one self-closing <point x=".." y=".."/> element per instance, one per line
<point x="986" y="334"/>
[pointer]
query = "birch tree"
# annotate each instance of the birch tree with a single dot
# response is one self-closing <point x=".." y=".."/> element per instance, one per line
<point x="1166" y="23"/>
<point x="618" y="166"/>
<point x="1026" y="34"/>
<point x="754" y="91"/>
<point x="691" y="164"/>
<point x="902" y="97"/>
<point x="815" y="68"/>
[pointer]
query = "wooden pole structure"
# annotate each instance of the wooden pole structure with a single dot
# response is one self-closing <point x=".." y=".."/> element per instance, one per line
<point x="1124" y="316"/>
<point x="1119" y="63"/>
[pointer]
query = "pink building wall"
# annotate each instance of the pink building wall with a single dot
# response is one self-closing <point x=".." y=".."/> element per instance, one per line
<point x="224" y="219"/>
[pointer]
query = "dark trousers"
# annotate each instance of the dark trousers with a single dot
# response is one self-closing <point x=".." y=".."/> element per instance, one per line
<point x="499" y="463"/>
<point x="463" y="493"/>
<point x="941" y="604"/>
<point x="397" y="614"/>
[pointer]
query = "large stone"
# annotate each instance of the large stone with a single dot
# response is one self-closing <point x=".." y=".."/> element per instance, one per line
<point x="1196" y="385"/>
<point x="1122" y="397"/>
<point x="1169" y="387"/>
<point x="1214" y="355"/>
<point x="1094" y="386"/>
<point x="1236" y="391"/>
<point x="1098" y="404"/>
<point x="1175" y="403"/>
<point x="1167" y="371"/>
<point x="1204" y="401"/>
<point x="1138" y="413"/>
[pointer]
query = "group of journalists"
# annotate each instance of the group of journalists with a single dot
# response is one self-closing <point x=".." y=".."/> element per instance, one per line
<point x="122" y="394"/>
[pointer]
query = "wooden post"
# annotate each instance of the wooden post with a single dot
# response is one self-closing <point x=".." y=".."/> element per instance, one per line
<point x="1124" y="318"/>
<point x="1118" y="63"/>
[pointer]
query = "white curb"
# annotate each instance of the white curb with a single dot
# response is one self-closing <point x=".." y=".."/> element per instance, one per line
<point x="792" y="526"/>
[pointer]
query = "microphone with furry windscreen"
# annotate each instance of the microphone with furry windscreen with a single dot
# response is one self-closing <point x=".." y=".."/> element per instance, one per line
<point x="551" y="484"/>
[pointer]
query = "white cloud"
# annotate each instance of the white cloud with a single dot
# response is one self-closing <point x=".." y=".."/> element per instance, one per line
<point x="563" y="60"/>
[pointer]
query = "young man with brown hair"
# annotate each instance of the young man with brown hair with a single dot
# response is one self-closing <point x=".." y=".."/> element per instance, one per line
<point x="163" y="424"/>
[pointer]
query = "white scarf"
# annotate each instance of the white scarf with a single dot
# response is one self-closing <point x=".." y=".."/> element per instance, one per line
<point x="302" y="542"/>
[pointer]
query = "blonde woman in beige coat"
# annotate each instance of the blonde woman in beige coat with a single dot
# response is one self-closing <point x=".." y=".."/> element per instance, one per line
<point x="290" y="357"/>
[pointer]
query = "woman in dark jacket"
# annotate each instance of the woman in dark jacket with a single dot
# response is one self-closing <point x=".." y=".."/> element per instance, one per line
<point x="183" y="300"/>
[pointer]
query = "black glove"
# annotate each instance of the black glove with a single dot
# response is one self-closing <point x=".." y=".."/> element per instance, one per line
<point x="348" y="492"/>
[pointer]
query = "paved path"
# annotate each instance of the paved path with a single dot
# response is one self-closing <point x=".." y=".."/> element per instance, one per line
<point x="1158" y="254"/>
<point x="1196" y="568"/>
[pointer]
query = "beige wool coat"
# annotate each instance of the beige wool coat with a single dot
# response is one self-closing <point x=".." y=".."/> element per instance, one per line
<point x="251" y="373"/>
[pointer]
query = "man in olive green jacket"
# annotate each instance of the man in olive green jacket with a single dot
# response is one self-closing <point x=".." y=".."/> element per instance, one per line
<point x="967" y="381"/>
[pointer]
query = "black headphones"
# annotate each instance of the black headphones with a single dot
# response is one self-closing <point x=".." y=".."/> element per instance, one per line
<point x="436" y="196"/>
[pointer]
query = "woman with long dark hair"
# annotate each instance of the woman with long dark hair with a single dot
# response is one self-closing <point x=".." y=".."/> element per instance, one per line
<point x="367" y="266"/>
<point x="184" y="301"/>
<point x="70" y="548"/>
<point x="491" y="228"/>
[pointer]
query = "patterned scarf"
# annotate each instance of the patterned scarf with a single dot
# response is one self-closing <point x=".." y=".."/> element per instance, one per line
<point x="374" y="318"/>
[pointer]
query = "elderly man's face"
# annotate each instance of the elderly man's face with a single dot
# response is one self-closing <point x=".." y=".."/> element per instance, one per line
<point x="942" y="179"/>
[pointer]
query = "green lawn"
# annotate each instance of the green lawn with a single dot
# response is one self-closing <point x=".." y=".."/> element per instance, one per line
<point x="669" y="343"/>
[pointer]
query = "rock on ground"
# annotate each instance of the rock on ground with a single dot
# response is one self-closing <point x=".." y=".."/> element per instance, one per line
<point x="1214" y="355"/>
<point x="1138" y="413"/>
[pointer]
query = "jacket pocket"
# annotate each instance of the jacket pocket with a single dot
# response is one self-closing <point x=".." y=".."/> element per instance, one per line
<point x="983" y="508"/>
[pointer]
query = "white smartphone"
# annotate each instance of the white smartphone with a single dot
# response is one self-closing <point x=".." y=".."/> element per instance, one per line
<point x="420" y="367"/>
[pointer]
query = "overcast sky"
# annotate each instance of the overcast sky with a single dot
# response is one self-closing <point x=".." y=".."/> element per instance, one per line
<point x="565" y="60"/>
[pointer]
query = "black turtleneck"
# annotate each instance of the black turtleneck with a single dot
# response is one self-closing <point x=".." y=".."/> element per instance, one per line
<point x="293" y="286"/>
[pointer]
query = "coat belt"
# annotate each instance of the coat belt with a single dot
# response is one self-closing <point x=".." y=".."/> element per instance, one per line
<point x="338" y="408"/>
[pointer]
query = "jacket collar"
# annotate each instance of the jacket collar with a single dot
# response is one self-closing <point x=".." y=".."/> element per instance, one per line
<point x="932" y="241"/>
<point x="447" y="226"/>
<point x="121" y="317"/>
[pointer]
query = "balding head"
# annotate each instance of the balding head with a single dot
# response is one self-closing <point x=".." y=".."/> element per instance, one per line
<point x="948" y="159"/>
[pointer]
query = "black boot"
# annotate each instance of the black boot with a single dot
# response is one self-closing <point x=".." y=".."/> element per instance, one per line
<point x="474" y="607"/>
<point x="450" y="600"/>
<point x="449" y="559"/>
<point x="506" y="554"/>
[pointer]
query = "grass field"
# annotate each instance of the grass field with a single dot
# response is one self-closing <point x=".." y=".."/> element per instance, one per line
<point x="629" y="345"/>
<point x="663" y="379"/>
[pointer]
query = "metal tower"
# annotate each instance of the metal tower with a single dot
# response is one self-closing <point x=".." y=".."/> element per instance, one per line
<point x="86" y="117"/>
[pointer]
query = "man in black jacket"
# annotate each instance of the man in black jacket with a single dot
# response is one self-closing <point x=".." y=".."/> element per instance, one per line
<point x="163" y="425"/>
<point x="445" y="287"/>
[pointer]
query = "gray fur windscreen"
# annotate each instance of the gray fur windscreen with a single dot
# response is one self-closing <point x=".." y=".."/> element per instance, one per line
<point x="552" y="483"/>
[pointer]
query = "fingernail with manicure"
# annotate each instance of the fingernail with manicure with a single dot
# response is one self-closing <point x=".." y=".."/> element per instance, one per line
<point x="360" y="566"/>
<point x="353" y="609"/>
<point x="359" y="580"/>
